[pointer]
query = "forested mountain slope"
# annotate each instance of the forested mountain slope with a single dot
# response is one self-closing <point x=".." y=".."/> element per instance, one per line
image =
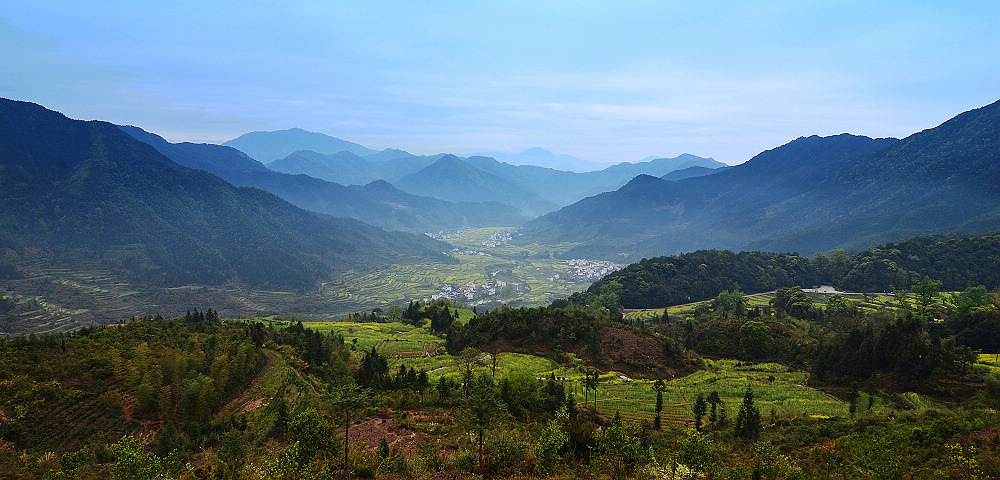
<point x="808" y="195"/>
<point x="88" y="190"/>
<point x="958" y="261"/>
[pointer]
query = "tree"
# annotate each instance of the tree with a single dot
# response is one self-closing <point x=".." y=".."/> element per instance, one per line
<point x="373" y="370"/>
<point x="132" y="461"/>
<point x="970" y="300"/>
<point x="591" y="379"/>
<point x="734" y="303"/>
<point x="699" y="409"/>
<point x="551" y="442"/>
<point x="469" y="358"/>
<point x="481" y="407"/>
<point x="755" y="339"/>
<point x="697" y="451"/>
<point x="621" y="448"/>
<point x="347" y="399"/>
<point x="927" y="295"/>
<point x="314" y="435"/>
<point x="714" y="400"/>
<point x="748" y="425"/>
<point x="659" y="387"/>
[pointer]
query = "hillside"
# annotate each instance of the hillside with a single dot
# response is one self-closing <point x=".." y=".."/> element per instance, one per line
<point x="87" y="196"/>
<point x="958" y="261"/>
<point x="815" y="193"/>
<point x="378" y="203"/>
<point x="689" y="172"/>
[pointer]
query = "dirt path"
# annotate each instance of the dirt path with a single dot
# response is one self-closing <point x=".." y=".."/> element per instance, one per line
<point x="244" y="398"/>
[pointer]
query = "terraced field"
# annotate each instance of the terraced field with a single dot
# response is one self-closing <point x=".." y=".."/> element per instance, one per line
<point x="777" y="388"/>
<point x="865" y="301"/>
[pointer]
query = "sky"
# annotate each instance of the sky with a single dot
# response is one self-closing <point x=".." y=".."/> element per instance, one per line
<point x="606" y="81"/>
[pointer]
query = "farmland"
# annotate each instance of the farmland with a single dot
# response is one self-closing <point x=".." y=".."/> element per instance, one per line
<point x="779" y="390"/>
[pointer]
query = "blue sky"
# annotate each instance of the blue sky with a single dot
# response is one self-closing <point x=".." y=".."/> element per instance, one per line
<point x="603" y="81"/>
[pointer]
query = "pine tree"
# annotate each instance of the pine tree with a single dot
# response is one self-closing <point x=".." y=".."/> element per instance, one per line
<point x="748" y="424"/>
<point x="700" y="408"/>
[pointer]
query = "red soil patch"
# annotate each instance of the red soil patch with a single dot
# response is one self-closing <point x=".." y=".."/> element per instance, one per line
<point x="373" y="430"/>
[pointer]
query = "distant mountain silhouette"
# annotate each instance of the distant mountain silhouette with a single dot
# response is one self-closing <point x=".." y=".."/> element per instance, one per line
<point x="377" y="203"/>
<point x="88" y="191"/>
<point x="267" y="147"/>
<point x="454" y="179"/>
<point x="343" y="167"/>
<point x="541" y="157"/>
<point x="563" y="188"/>
<point x="349" y="169"/>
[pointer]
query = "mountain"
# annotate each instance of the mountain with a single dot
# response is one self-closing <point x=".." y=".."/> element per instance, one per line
<point x="451" y="178"/>
<point x="377" y="203"/>
<point x="623" y="172"/>
<point x="388" y="154"/>
<point x="690" y="172"/>
<point x="812" y="194"/>
<point x="217" y="159"/>
<point x="267" y="147"/>
<point x="349" y="169"/>
<point x="88" y="191"/>
<point x="343" y="167"/>
<point x="731" y="209"/>
<point x="563" y="188"/>
<point x="541" y="157"/>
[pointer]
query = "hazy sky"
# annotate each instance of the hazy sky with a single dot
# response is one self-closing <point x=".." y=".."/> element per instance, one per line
<point x="605" y="81"/>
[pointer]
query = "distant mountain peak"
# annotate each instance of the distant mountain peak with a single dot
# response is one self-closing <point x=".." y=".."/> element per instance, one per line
<point x="267" y="147"/>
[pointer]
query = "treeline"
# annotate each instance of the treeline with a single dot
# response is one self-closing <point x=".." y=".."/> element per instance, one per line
<point x="540" y="331"/>
<point x="958" y="261"/>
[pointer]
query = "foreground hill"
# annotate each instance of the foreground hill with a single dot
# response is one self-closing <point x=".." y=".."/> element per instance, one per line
<point x="958" y="261"/>
<point x="811" y="194"/>
<point x="76" y="193"/>
<point x="377" y="203"/>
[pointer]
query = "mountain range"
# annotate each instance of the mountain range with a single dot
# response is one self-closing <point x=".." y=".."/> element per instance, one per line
<point x="534" y="189"/>
<point x="377" y="203"/>
<point x="812" y="194"/>
<point x="76" y="191"/>
<point x="541" y="157"/>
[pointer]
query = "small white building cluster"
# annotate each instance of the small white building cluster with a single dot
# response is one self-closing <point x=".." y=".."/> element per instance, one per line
<point x="588" y="270"/>
<point x="499" y="238"/>
<point x="470" y="292"/>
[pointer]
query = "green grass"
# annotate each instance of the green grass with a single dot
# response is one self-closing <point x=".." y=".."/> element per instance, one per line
<point x="786" y="394"/>
<point x="394" y="338"/>
<point x="867" y="302"/>
<point x="990" y="362"/>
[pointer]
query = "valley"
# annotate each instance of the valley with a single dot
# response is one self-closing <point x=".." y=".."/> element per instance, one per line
<point x="206" y="320"/>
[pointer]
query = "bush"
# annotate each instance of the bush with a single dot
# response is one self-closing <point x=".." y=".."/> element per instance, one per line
<point x="992" y="386"/>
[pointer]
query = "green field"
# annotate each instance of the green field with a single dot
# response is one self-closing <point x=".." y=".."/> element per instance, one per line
<point x="865" y="301"/>
<point x="776" y="387"/>
<point x="990" y="361"/>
